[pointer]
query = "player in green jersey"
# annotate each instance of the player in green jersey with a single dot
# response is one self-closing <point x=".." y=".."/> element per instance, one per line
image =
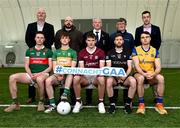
<point x="38" y="64"/>
<point x="66" y="57"/>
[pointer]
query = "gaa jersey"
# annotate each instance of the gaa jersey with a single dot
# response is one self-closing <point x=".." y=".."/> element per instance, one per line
<point x="64" y="57"/>
<point x="38" y="59"/>
<point x="91" y="60"/>
<point x="118" y="59"/>
<point x="146" y="58"/>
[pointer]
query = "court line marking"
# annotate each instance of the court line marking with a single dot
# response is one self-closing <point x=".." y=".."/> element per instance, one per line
<point x="32" y="106"/>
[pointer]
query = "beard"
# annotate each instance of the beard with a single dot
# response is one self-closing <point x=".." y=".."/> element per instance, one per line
<point x="68" y="26"/>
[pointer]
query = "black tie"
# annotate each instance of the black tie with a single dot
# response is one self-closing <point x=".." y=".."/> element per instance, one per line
<point x="97" y="37"/>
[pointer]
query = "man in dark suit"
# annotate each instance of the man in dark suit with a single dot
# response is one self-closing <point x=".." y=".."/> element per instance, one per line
<point x="40" y="25"/>
<point x="102" y="41"/>
<point x="152" y="29"/>
<point x="32" y="28"/>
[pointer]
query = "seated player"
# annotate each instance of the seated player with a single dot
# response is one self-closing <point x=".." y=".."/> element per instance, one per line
<point x="120" y="57"/>
<point x="38" y="64"/>
<point x="66" y="57"/>
<point x="90" y="57"/>
<point x="148" y="67"/>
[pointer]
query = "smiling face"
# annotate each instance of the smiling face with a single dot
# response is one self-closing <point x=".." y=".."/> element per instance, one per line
<point x="68" y="22"/>
<point x="121" y="26"/>
<point x="65" y="40"/>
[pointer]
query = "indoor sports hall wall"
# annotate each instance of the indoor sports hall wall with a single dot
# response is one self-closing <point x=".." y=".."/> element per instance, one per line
<point x="16" y="14"/>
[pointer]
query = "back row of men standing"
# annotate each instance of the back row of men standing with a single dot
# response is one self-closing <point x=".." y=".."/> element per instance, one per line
<point x="104" y="41"/>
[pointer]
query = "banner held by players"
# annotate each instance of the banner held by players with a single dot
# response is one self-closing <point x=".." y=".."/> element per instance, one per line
<point x="105" y="71"/>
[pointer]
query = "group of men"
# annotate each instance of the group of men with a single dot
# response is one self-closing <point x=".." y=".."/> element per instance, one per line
<point x="94" y="49"/>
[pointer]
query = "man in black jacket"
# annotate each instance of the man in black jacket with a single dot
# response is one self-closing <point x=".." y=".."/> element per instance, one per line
<point x="102" y="42"/>
<point x="32" y="28"/>
<point x="75" y="35"/>
<point x="152" y="29"/>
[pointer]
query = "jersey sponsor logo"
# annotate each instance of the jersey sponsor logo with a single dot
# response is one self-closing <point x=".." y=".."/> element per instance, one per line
<point x="96" y="57"/>
<point x="38" y="61"/>
<point x="105" y="71"/>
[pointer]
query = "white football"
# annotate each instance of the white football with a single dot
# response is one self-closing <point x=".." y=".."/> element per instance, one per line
<point x="63" y="108"/>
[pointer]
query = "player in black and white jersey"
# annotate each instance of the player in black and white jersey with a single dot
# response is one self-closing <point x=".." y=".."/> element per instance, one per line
<point x="120" y="57"/>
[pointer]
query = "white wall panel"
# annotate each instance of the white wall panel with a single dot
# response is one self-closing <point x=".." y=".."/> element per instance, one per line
<point x="87" y="9"/>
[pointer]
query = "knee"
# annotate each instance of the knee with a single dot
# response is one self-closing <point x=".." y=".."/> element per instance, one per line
<point x="160" y="79"/>
<point x="133" y="82"/>
<point x="109" y="82"/>
<point x="12" y="78"/>
<point x="48" y="82"/>
<point x="76" y="80"/>
<point x="140" y="80"/>
<point x="39" y="80"/>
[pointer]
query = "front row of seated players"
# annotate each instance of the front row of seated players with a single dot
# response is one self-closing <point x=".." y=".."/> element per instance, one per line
<point x="38" y="64"/>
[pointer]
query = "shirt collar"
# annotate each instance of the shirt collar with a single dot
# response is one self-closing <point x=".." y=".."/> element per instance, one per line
<point x="41" y="47"/>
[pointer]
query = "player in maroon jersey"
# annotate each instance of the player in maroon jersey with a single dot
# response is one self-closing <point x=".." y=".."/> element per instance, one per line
<point x="90" y="57"/>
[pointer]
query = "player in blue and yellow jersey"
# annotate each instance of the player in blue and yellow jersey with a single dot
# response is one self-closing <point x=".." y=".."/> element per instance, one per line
<point x="148" y="67"/>
<point x="38" y="64"/>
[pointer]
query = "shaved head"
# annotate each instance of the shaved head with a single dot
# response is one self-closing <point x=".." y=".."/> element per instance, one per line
<point x="41" y="14"/>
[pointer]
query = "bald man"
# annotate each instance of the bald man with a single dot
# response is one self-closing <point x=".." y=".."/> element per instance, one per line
<point x="32" y="29"/>
<point x="75" y="35"/>
<point x="76" y="43"/>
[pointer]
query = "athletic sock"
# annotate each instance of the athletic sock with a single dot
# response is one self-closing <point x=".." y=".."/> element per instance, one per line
<point x="111" y="100"/>
<point x="129" y="100"/>
<point x="101" y="100"/>
<point x="15" y="100"/>
<point x="52" y="102"/>
<point x="141" y="100"/>
<point x="66" y="91"/>
<point x="78" y="99"/>
<point x="159" y="99"/>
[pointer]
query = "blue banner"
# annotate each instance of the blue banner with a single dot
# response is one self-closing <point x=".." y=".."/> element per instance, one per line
<point x="105" y="71"/>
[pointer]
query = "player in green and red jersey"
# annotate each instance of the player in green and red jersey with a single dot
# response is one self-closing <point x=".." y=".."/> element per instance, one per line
<point x="66" y="57"/>
<point x="38" y="64"/>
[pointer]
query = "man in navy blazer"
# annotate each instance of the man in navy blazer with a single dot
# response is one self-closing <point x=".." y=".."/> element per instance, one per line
<point x="32" y="28"/>
<point x="152" y="29"/>
<point x="40" y="25"/>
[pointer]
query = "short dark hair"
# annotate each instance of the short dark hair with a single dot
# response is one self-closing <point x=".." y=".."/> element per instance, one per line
<point x="64" y="34"/>
<point x="90" y="35"/>
<point x="40" y="32"/>
<point x="122" y="20"/>
<point x="144" y="12"/>
<point x="146" y="32"/>
<point x="118" y="34"/>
